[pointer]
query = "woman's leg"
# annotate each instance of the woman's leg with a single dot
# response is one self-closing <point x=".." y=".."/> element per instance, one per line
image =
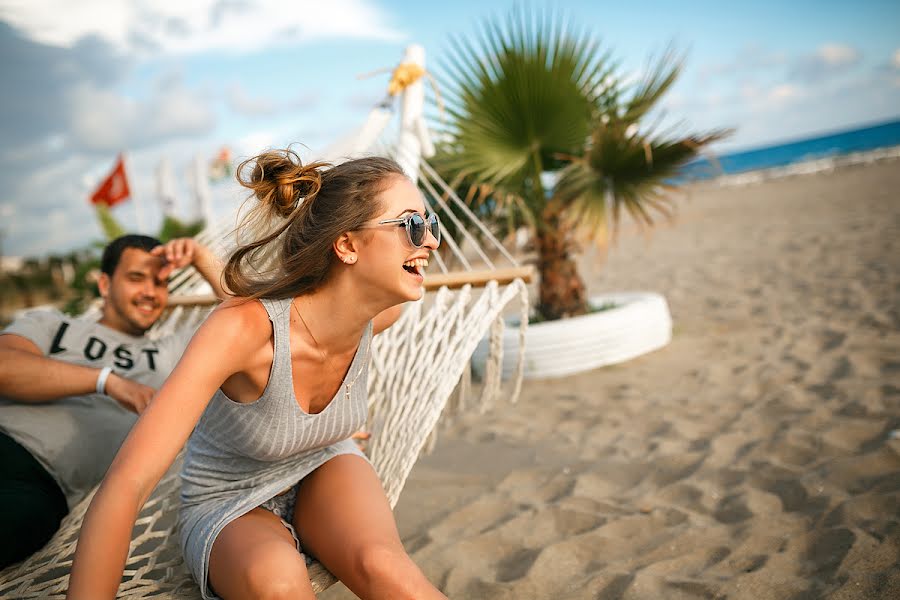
<point x="344" y="520"/>
<point x="256" y="557"/>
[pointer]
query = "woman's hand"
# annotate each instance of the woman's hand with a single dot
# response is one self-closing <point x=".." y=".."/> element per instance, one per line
<point x="361" y="438"/>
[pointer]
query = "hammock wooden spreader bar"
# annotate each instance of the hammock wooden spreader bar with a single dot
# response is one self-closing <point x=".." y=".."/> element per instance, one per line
<point x="453" y="281"/>
<point x="458" y="279"/>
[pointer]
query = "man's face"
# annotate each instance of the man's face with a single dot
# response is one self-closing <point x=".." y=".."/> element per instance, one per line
<point x="135" y="295"/>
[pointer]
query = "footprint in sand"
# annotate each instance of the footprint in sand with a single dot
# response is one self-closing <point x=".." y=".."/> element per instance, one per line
<point x="832" y="339"/>
<point x="841" y="370"/>
<point x="890" y="368"/>
<point x="732" y="509"/>
<point x="516" y="564"/>
<point x="826" y="551"/>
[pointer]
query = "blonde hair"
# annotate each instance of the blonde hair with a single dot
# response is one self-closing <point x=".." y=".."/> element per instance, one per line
<point x="301" y="211"/>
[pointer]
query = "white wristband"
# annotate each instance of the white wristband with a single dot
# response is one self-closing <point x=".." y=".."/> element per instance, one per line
<point x="101" y="379"/>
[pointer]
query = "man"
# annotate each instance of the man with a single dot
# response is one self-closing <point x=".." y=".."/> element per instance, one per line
<point x="71" y="388"/>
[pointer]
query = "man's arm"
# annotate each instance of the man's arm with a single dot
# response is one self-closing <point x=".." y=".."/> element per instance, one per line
<point x="27" y="376"/>
<point x="181" y="252"/>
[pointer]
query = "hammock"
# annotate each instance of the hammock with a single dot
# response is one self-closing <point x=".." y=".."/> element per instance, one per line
<point x="407" y="395"/>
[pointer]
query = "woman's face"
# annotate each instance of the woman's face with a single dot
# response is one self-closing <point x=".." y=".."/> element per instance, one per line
<point x="387" y="258"/>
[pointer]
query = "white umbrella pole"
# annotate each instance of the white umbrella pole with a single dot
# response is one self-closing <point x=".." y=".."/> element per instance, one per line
<point x="202" y="194"/>
<point x="413" y="134"/>
<point x="135" y="198"/>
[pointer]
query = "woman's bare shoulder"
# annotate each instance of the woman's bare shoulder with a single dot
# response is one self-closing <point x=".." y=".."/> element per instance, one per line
<point x="240" y="319"/>
<point x="243" y="308"/>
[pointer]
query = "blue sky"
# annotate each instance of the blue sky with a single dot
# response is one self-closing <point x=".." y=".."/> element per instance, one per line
<point x="180" y="79"/>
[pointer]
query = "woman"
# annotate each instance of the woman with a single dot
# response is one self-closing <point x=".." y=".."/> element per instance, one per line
<point x="275" y="382"/>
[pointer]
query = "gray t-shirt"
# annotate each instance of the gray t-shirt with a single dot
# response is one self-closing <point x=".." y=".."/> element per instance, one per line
<point x="76" y="438"/>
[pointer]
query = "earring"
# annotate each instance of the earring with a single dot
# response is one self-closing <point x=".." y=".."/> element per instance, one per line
<point x="352" y="259"/>
<point x="349" y="259"/>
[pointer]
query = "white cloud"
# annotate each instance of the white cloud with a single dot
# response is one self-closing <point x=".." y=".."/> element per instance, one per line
<point x="752" y="57"/>
<point x="811" y="67"/>
<point x="187" y="26"/>
<point x="784" y="93"/>
<point x="58" y="23"/>
<point x="828" y="60"/>
<point x="57" y="215"/>
<point x="243" y="103"/>
<point x="749" y="91"/>
<point x="714" y="99"/>
<point x="178" y="111"/>
<point x="102" y="120"/>
<point x="254" y="143"/>
<point x="837" y="55"/>
<point x="895" y="59"/>
<point x="57" y="218"/>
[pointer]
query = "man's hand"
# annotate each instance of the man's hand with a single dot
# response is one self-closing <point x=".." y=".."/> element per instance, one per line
<point x="181" y="252"/>
<point x="177" y="253"/>
<point x="132" y="395"/>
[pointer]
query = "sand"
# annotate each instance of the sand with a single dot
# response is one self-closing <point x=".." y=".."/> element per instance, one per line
<point x="752" y="458"/>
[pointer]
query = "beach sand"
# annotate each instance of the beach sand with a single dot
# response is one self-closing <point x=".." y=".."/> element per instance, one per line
<point x="752" y="458"/>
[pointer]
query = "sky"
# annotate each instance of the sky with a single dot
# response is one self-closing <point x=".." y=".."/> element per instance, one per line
<point x="180" y="79"/>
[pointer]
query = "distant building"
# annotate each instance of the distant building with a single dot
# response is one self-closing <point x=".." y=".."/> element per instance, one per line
<point x="11" y="264"/>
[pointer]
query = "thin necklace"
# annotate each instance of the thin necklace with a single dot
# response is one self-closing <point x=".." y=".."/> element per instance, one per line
<point x="325" y="356"/>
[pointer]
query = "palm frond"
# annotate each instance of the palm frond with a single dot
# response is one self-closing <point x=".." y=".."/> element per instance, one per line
<point x="624" y="172"/>
<point x="519" y="92"/>
<point x="653" y="86"/>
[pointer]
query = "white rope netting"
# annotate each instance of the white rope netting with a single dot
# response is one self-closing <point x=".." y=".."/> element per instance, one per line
<point x="415" y="367"/>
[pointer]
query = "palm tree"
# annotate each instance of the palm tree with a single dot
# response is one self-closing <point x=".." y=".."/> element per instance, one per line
<point x="108" y="223"/>
<point x="172" y="228"/>
<point x="533" y="97"/>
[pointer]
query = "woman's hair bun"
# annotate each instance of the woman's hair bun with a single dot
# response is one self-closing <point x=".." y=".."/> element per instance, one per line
<point x="279" y="179"/>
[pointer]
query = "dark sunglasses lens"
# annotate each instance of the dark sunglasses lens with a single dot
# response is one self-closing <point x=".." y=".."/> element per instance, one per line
<point x="416" y="230"/>
<point x="435" y="226"/>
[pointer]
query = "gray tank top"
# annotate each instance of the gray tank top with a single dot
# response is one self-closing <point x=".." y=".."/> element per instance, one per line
<point x="242" y="454"/>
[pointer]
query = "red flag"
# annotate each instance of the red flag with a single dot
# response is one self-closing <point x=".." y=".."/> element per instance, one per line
<point x="114" y="188"/>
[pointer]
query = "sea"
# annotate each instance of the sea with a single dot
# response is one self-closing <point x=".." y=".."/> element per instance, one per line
<point x="810" y="155"/>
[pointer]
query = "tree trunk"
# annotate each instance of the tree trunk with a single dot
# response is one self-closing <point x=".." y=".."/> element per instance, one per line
<point x="562" y="292"/>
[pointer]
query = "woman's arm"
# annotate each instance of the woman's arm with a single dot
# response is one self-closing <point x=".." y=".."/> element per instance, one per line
<point x="222" y="346"/>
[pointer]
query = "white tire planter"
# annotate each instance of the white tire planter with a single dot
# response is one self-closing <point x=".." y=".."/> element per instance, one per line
<point x="639" y="323"/>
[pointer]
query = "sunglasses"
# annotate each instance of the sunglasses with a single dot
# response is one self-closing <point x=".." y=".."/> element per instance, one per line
<point x="417" y="227"/>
